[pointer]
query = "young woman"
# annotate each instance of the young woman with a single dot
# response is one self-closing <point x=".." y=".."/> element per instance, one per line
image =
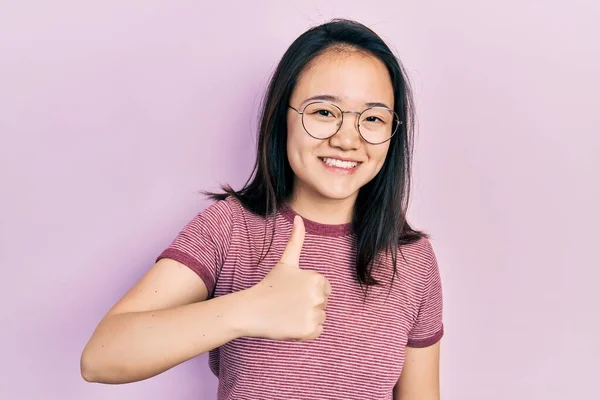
<point x="320" y="226"/>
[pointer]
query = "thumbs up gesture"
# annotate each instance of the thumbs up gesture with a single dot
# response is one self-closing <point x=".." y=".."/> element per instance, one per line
<point x="290" y="302"/>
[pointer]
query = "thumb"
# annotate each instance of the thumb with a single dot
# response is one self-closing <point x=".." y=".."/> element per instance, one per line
<point x="291" y="254"/>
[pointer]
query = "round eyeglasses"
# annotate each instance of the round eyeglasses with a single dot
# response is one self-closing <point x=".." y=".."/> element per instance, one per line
<point x="322" y="120"/>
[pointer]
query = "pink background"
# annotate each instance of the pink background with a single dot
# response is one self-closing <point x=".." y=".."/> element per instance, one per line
<point x="114" y="114"/>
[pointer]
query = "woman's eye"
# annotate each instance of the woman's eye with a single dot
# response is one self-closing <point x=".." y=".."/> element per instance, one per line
<point x="324" y="113"/>
<point x="374" y="119"/>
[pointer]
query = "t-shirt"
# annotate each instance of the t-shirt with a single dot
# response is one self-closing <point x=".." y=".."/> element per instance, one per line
<point x="361" y="351"/>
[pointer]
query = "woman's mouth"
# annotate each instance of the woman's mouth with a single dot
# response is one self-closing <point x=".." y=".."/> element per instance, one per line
<point x="336" y="165"/>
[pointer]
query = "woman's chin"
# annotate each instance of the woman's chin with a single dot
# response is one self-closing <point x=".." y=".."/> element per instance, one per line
<point x="333" y="193"/>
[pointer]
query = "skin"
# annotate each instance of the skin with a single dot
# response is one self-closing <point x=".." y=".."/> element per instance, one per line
<point x="166" y="319"/>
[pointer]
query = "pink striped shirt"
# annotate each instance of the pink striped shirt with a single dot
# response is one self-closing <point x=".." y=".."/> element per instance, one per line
<point x="362" y="349"/>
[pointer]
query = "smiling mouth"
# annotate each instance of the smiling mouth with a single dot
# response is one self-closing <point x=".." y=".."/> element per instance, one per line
<point x="332" y="162"/>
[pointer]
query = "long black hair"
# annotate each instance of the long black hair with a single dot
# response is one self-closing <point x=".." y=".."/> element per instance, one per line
<point x="379" y="217"/>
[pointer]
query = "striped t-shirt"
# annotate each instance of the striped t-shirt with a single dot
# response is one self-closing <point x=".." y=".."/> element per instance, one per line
<point x="361" y="351"/>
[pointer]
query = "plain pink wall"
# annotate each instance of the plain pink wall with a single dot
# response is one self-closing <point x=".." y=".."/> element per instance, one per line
<point x="114" y="114"/>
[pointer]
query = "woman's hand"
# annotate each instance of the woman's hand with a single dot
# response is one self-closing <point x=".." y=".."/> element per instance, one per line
<point x="290" y="302"/>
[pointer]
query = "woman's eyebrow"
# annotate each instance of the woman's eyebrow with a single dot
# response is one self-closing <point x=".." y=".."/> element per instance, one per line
<point x="336" y="99"/>
<point x="323" y="97"/>
<point x="378" y="105"/>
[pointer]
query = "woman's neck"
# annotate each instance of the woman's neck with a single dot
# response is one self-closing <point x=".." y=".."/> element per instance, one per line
<point x="321" y="209"/>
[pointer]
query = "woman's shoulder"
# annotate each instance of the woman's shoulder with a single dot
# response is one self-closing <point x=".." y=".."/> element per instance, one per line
<point x="418" y="255"/>
<point x="419" y="246"/>
<point x="227" y="208"/>
<point x="228" y="212"/>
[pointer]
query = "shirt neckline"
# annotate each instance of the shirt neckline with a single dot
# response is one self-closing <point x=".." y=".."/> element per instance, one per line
<point x="317" y="228"/>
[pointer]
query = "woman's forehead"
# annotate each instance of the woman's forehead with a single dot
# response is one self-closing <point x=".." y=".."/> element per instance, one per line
<point x="354" y="78"/>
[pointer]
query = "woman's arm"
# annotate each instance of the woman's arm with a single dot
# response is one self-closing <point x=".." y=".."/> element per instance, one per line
<point x="164" y="319"/>
<point x="161" y="322"/>
<point x="420" y="378"/>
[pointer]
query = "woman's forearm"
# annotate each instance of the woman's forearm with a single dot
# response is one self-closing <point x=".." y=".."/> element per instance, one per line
<point x="134" y="346"/>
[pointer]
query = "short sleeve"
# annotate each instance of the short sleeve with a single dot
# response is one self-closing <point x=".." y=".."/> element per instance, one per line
<point x="428" y="328"/>
<point x="204" y="242"/>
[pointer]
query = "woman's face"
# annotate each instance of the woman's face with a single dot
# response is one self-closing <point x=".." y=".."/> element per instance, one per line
<point x="351" y="80"/>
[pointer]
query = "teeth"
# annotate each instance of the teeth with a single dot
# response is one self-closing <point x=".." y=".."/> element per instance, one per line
<point x="340" y="164"/>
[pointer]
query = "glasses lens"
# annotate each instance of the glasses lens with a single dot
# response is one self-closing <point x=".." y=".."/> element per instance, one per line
<point x="378" y="125"/>
<point x="321" y="120"/>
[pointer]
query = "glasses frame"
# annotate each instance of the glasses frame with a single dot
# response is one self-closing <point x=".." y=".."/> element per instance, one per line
<point x="342" y="112"/>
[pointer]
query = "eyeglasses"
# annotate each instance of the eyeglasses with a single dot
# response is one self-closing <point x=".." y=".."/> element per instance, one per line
<point x="322" y="120"/>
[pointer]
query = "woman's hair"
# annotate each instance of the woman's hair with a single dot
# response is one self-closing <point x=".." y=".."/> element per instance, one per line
<point x="379" y="217"/>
